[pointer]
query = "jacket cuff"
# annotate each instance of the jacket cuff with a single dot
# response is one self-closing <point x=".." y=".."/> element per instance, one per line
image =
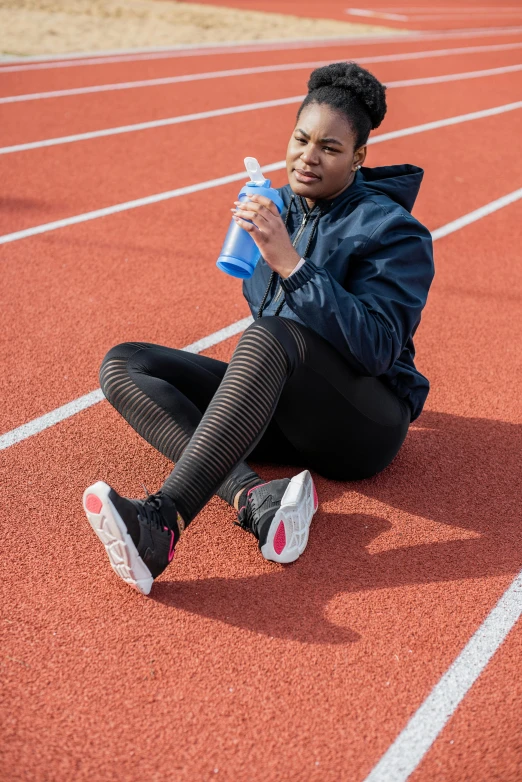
<point x="301" y="263"/>
<point x="299" y="278"/>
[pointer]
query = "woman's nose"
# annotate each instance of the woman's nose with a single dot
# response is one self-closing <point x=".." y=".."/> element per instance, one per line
<point x="309" y="157"/>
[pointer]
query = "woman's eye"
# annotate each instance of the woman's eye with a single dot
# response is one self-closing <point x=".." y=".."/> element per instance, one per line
<point x="303" y="141"/>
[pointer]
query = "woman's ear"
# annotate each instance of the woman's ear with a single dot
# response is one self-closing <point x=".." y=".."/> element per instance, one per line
<point x="360" y="156"/>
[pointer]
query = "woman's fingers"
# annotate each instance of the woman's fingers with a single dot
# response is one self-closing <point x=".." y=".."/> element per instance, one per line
<point x="255" y="215"/>
<point x="249" y="226"/>
<point x="244" y="224"/>
<point x="266" y="202"/>
<point x="245" y="214"/>
<point x="253" y="218"/>
<point x="250" y="211"/>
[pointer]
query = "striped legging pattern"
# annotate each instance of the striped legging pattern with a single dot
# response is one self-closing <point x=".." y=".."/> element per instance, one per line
<point x="234" y="421"/>
<point x="169" y="436"/>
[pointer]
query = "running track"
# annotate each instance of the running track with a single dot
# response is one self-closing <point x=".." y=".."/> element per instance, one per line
<point x="412" y="15"/>
<point x="235" y="668"/>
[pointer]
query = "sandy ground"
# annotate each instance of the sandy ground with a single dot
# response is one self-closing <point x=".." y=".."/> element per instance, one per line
<point x="29" y="27"/>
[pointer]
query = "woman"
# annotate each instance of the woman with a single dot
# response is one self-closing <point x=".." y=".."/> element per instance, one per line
<point x="324" y="377"/>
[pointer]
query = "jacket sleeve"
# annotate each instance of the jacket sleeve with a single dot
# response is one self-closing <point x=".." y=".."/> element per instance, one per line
<point x="371" y="316"/>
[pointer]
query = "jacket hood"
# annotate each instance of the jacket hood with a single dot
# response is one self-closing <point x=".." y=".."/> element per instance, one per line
<point x="399" y="183"/>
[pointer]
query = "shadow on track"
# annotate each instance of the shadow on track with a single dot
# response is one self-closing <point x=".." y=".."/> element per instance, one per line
<point x="462" y="472"/>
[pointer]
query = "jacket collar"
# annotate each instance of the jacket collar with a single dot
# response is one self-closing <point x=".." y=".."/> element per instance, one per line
<point x="352" y="193"/>
<point x="399" y="183"/>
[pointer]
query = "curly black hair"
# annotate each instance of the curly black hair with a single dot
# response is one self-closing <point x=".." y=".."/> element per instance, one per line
<point x="353" y="91"/>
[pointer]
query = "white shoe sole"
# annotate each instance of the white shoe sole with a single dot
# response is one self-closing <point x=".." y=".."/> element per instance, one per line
<point x="111" y="530"/>
<point x="288" y="533"/>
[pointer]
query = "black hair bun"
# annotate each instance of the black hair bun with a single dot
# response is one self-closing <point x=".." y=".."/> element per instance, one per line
<point x="351" y="77"/>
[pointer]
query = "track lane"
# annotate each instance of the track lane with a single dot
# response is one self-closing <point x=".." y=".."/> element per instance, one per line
<point x="471" y="15"/>
<point x="62" y="412"/>
<point x="256" y="106"/>
<point x="211" y="607"/>
<point x="66" y="180"/>
<point x="24" y="122"/>
<point x="218" y="605"/>
<point x="112" y="287"/>
<point x="411" y="576"/>
<point x="482" y="740"/>
<point x="18" y="82"/>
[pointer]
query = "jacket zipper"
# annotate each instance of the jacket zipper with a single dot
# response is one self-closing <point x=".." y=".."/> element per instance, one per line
<point x="298" y="235"/>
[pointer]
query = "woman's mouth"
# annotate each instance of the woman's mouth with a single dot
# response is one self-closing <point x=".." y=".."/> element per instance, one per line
<point x="306" y="177"/>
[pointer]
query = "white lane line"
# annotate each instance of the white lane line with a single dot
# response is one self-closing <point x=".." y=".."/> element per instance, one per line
<point x="158" y="197"/>
<point x="456" y="76"/>
<point x="402" y="14"/>
<point x="76" y="59"/>
<point x="88" y="400"/>
<point x="81" y="59"/>
<point x="451" y="14"/>
<point x="441" y="123"/>
<point x="161" y="123"/>
<point x="189" y="77"/>
<point x="123" y="207"/>
<point x="70" y="409"/>
<point x="190" y="49"/>
<point x="455" y="9"/>
<point x="447" y="52"/>
<point x="159" y="82"/>
<point x="408" y="749"/>
<point x="376" y="14"/>
<point x="477" y="214"/>
<point x="475" y="13"/>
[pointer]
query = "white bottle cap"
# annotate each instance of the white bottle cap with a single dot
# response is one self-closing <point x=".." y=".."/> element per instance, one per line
<point x="254" y="171"/>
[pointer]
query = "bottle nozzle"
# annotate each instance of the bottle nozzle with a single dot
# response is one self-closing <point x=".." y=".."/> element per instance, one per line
<point x="254" y="170"/>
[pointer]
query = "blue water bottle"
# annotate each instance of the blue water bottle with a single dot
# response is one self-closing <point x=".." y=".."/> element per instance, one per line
<point x="240" y="254"/>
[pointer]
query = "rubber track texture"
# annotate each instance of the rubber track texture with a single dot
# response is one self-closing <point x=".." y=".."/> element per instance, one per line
<point x="400" y="570"/>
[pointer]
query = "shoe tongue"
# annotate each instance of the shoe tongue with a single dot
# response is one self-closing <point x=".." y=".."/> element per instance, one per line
<point x="269" y="493"/>
<point x="167" y="508"/>
<point x="264" y="502"/>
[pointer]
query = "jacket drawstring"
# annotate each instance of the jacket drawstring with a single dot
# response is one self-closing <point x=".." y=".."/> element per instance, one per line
<point x="312" y="232"/>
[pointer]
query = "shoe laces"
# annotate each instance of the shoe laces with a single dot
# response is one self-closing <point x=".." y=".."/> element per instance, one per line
<point x="150" y="512"/>
<point x="245" y="517"/>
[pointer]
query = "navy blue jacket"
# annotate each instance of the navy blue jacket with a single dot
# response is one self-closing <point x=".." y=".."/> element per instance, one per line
<point x="369" y="267"/>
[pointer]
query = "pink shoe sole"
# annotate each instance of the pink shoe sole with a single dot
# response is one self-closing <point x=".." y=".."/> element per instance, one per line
<point x="288" y="533"/>
<point x="109" y="527"/>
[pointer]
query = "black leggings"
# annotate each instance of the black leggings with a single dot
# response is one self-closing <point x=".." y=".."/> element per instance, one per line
<point x="312" y="409"/>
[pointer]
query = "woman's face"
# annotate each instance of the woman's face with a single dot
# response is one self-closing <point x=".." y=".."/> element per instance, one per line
<point x="321" y="159"/>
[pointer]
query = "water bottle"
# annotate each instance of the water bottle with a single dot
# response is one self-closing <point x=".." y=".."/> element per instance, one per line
<point x="240" y="254"/>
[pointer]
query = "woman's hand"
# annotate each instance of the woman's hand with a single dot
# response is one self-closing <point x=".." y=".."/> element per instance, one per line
<point x="268" y="231"/>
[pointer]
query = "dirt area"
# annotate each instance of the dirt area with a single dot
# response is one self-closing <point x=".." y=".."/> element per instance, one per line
<point x="29" y="27"/>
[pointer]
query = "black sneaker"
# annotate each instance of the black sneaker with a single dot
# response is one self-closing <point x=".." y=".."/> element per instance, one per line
<point x="279" y="513"/>
<point x="139" y="535"/>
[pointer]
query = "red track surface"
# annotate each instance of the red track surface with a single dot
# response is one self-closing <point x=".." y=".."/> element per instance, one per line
<point x="235" y="664"/>
<point x="420" y="15"/>
<point x="487" y="740"/>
